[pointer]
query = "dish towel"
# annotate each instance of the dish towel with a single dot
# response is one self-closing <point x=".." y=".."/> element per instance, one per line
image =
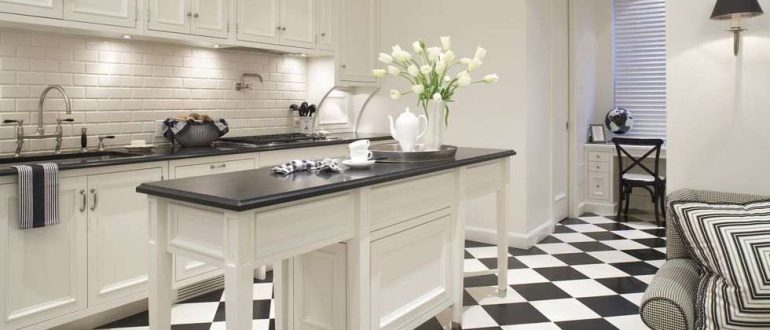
<point x="325" y="165"/>
<point x="38" y="195"/>
<point x="173" y="127"/>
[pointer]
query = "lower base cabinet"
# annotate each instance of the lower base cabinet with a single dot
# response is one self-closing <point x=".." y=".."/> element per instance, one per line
<point x="410" y="277"/>
<point x="97" y="254"/>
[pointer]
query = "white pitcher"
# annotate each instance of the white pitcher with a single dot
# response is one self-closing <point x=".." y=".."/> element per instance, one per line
<point x="406" y="129"/>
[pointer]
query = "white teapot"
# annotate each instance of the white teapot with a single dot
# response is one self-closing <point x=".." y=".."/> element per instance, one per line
<point x="406" y="129"/>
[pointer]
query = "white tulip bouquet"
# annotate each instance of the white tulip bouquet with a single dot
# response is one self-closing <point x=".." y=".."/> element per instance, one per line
<point x="428" y="72"/>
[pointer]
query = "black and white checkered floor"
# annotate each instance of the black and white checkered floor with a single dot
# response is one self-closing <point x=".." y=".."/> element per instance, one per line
<point x="590" y="274"/>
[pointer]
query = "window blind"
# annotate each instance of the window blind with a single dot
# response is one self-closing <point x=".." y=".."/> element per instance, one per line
<point x="639" y="34"/>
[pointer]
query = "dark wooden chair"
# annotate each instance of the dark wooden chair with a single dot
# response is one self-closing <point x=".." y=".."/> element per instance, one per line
<point x="651" y="181"/>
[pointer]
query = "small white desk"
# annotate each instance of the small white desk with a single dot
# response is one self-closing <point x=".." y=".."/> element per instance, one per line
<point x="600" y="175"/>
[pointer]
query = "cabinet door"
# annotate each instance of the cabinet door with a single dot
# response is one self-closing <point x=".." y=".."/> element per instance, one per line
<point x="298" y="21"/>
<point x="357" y="40"/>
<point x="210" y="18"/>
<point x="108" y="12"/>
<point x="170" y="15"/>
<point x="258" y="21"/>
<point x="117" y="234"/>
<point x="328" y="24"/>
<point x="42" y="270"/>
<point x="410" y="274"/>
<point x="44" y="8"/>
<point x="319" y="287"/>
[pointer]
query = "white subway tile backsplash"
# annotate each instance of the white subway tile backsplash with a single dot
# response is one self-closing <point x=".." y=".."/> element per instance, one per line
<point x="122" y="87"/>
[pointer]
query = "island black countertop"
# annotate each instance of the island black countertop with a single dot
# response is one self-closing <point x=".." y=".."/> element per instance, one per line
<point x="165" y="153"/>
<point x="251" y="189"/>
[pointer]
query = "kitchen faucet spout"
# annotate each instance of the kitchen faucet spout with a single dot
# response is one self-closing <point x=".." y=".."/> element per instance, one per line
<point x="41" y="103"/>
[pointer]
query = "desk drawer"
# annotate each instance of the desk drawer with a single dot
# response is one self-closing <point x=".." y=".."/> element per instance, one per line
<point x="404" y="200"/>
<point x="214" y="168"/>
<point x="599" y="167"/>
<point x="598" y="186"/>
<point x="594" y="156"/>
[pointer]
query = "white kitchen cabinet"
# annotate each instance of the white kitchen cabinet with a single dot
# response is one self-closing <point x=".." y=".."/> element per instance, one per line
<point x="43" y="270"/>
<point x="298" y="20"/>
<point x="410" y="268"/>
<point x="319" y="289"/>
<point x="207" y="18"/>
<point x="107" y="12"/>
<point x="328" y="24"/>
<point x="42" y="8"/>
<point x="278" y="22"/>
<point x="259" y="21"/>
<point x="117" y="234"/>
<point x="358" y="41"/>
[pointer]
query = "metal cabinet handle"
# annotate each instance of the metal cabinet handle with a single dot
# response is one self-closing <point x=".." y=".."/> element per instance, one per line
<point x="189" y="14"/>
<point x="344" y="66"/>
<point x="218" y="166"/>
<point x="196" y="15"/>
<point x="278" y="28"/>
<point x="323" y="34"/>
<point x="83" y="200"/>
<point x="283" y="28"/>
<point x="93" y="195"/>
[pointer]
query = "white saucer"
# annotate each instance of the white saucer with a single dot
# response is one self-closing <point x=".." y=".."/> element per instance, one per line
<point x="358" y="165"/>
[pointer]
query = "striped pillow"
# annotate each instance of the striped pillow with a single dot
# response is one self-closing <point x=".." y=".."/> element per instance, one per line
<point x="731" y="243"/>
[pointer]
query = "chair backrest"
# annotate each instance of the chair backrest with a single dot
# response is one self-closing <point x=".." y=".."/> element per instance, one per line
<point x="654" y="145"/>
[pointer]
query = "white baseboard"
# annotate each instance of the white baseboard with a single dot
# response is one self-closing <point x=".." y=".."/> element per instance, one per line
<point x="599" y="208"/>
<point x="515" y="240"/>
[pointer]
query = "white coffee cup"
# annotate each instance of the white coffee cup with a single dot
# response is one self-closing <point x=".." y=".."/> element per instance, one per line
<point x="359" y="151"/>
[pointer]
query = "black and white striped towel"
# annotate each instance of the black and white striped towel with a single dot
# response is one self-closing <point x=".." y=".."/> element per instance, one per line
<point x="38" y="195"/>
<point x="325" y="165"/>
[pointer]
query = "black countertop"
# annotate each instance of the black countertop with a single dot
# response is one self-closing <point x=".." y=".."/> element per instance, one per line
<point x="165" y="153"/>
<point x="246" y="190"/>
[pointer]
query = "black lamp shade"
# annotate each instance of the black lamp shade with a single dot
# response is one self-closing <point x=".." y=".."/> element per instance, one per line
<point x="725" y="9"/>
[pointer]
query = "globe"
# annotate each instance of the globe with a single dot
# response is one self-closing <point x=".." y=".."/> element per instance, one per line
<point x="619" y="121"/>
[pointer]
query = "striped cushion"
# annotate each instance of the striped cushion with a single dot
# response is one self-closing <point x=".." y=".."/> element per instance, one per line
<point x="732" y="245"/>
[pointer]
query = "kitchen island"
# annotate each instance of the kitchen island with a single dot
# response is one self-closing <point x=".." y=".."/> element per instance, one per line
<point x="364" y="249"/>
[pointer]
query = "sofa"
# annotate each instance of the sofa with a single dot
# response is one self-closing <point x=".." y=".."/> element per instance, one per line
<point x="669" y="302"/>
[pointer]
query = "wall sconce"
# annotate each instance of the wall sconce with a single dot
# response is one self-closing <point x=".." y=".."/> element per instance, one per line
<point x="735" y="10"/>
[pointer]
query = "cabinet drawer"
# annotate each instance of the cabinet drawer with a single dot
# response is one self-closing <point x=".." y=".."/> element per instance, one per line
<point x="600" y="167"/>
<point x="594" y="156"/>
<point x="598" y="186"/>
<point x="214" y="168"/>
<point x="404" y="200"/>
<point x="325" y="221"/>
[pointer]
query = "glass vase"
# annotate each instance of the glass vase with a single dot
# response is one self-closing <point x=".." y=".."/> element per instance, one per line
<point x="436" y="112"/>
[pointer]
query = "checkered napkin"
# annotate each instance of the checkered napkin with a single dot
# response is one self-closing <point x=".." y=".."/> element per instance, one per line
<point x="325" y="165"/>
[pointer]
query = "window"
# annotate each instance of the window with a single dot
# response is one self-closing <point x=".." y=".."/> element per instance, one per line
<point x="639" y="34"/>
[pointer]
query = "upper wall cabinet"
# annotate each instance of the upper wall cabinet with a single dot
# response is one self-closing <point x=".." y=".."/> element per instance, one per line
<point x="328" y="24"/>
<point x="358" y="41"/>
<point x="207" y="18"/>
<point x="108" y="12"/>
<point x="43" y="8"/>
<point x="278" y="22"/>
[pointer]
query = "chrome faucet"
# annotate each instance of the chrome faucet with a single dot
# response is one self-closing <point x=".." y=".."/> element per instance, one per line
<point x="67" y="104"/>
<point x="58" y="134"/>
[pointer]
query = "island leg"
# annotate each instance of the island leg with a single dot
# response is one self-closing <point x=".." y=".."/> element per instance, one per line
<point x="459" y="249"/>
<point x="160" y="267"/>
<point x="502" y="234"/>
<point x="239" y="274"/>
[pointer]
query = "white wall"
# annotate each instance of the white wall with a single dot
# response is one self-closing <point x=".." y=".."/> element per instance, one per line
<point x="591" y="80"/>
<point x="510" y="114"/>
<point x="718" y="104"/>
<point x="121" y="87"/>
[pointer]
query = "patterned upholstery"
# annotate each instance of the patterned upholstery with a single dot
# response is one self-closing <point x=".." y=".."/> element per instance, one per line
<point x="669" y="301"/>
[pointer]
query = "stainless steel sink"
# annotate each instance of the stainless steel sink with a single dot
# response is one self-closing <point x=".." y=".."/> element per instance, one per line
<point x="70" y="157"/>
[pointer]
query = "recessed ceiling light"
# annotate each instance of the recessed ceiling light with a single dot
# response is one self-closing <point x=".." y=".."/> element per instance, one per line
<point x="217" y="46"/>
<point x="125" y="36"/>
